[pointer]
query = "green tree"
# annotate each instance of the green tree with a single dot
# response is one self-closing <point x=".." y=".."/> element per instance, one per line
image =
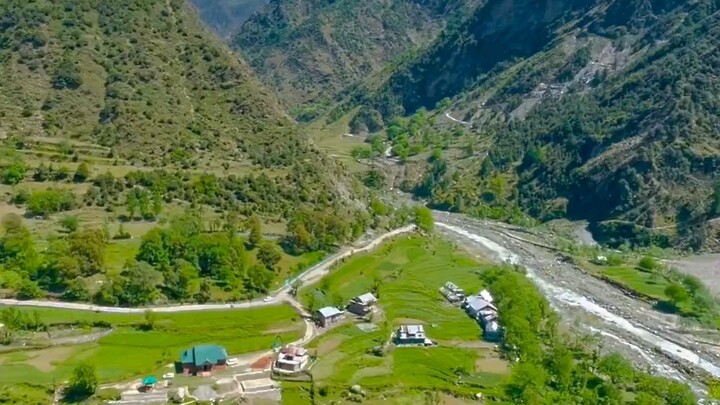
<point x="617" y="368"/>
<point x="150" y="319"/>
<point x="82" y="173"/>
<point x="14" y="173"/>
<point x="88" y="247"/>
<point x="205" y="293"/>
<point x="269" y="254"/>
<point x="83" y="383"/>
<point x="676" y="293"/>
<point x="132" y="204"/>
<point x="138" y="284"/>
<point x="647" y="263"/>
<point x="29" y="290"/>
<point x="424" y="219"/>
<point x="255" y="238"/>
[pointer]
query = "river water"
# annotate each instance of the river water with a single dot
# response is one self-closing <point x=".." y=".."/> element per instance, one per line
<point x="555" y="292"/>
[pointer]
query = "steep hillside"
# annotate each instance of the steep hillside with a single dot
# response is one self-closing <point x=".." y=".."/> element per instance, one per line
<point x="601" y="110"/>
<point x="142" y="77"/>
<point x="311" y="51"/>
<point x="226" y="16"/>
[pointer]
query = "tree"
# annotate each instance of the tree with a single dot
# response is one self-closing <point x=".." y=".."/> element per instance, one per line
<point x="83" y="383"/>
<point x="676" y="293"/>
<point x="647" y="263"/>
<point x="138" y="284"/>
<point x="617" y="368"/>
<point x="424" y="219"/>
<point x="150" y="319"/>
<point x="269" y="255"/>
<point x="70" y="223"/>
<point x="255" y="238"/>
<point x="132" y="204"/>
<point x="205" y="292"/>
<point x="29" y="290"/>
<point x="82" y="173"/>
<point x="14" y="173"/>
<point x="88" y="247"/>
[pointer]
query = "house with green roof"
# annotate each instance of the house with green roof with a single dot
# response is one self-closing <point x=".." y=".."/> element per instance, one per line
<point x="203" y="359"/>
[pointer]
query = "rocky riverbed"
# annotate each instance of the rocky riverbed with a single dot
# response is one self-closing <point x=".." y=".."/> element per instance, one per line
<point x="661" y="343"/>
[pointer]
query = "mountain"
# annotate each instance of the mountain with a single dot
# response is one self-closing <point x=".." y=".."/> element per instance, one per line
<point x="313" y="51"/>
<point x="141" y="77"/>
<point x="600" y="110"/>
<point x="225" y="17"/>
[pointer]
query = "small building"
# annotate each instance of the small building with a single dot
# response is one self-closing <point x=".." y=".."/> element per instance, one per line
<point x="329" y="315"/>
<point x="411" y="335"/>
<point x="491" y="332"/>
<point x="473" y="305"/>
<point x="291" y="359"/>
<point x="203" y="359"/>
<point x="452" y="292"/>
<point x="363" y="304"/>
<point x="485" y="294"/>
<point x="148" y="383"/>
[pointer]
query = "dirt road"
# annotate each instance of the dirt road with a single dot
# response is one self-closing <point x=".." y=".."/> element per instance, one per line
<point x="650" y="339"/>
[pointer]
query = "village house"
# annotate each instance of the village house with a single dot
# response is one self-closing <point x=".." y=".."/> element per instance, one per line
<point x="328" y="315"/>
<point x="480" y="308"/>
<point x="474" y="304"/>
<point x="291" y="359"/>
<point x="362" y="305"/>
<point x="203" y="359"/>
<point x="411" y="335"/>
<point x="452" y="292"/>
<point x="491" y="331"/>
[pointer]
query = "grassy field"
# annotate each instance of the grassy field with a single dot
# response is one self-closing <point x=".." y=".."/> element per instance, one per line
<point x="130" y="352"/>
<point x="333" y="139"/>
<point x="410" y="271"/>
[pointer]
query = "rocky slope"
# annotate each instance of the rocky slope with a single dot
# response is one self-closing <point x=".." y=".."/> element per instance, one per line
<point x="225" y="17"/>
<point x="313" y="51"/>
<point x="592" y="109"/>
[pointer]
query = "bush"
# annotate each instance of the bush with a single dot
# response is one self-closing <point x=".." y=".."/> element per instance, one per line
<point x="647" y="263"/>
<point x="70" y="223"/>
<point x="50" y="201"/>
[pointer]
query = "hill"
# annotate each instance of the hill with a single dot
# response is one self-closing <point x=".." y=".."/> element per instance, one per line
<point x="597" y="110"/>
<point x="314" y="51"/>
<point x="225" y="17"/>
<point x="141" y="77"/>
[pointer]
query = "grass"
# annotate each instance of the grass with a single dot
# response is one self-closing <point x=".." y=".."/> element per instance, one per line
<point x="412" y="269"/>
<point x="646" y="283"/>
<point x="130" y="352"/>
<point x="333" y="140"/>
<point x="345" y="359"/>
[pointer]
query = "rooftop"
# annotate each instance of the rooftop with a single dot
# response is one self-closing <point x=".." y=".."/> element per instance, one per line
<point x="485" y="294"/>
<point x="411" y="331"/>
<point x="329" y="312"/>
<point x="366" y="299"/>
<point x="202" y="354"/>
<point x="476" y="303"/>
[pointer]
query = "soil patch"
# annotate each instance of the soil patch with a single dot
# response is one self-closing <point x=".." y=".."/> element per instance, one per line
<point x="45" y="360"/>
<point x="493" y="365"/>
<point x="262" y="363"/>
<point x="328" y="345"/>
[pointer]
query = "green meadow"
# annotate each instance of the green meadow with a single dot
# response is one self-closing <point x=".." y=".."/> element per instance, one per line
<point x="130" y="351"/>
<point x="408" y="271"/>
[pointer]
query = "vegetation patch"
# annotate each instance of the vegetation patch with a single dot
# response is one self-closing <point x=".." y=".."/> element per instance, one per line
<point x="143" y="344"/>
